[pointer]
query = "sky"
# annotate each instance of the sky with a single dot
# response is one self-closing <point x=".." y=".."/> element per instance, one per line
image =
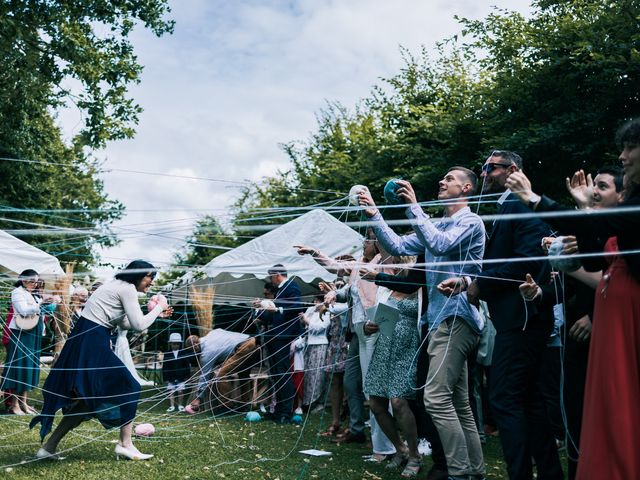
<point x="237" y="79"/>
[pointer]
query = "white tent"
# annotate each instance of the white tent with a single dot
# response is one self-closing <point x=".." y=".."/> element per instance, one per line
<point x="239" y="273"/>
<point x="17" y="256"/>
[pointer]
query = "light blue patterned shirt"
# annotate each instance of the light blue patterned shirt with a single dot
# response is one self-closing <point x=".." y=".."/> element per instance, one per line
<point x="459" y="238"/>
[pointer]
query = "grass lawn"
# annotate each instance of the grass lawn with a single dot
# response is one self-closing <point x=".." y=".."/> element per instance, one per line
<point x="202" y="446"/>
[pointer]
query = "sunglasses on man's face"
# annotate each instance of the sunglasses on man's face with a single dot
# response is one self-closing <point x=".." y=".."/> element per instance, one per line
<point x="490" y="167"/>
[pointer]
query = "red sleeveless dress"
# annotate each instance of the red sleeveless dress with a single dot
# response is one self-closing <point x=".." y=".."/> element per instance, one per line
<point x="610" y="439"/>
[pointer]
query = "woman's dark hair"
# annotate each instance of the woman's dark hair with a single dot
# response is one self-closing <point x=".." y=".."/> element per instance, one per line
<point x="628" y="134"/>
<point x="136" y="271"/>
<point x="28" y="274"/>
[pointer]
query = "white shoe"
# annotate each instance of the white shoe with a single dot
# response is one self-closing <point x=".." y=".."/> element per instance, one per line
<point x="180" y="408"/>
<point x="424" y="447"/>
<point x="298" y="411"/>
<point x="131" y="453"/>
<point x="262" y="409"/>
<point x="172" y="409"/>
<point x="42" y="454"/>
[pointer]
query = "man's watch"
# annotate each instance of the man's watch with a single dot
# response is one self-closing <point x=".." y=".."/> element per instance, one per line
<point x="534" y="199"/>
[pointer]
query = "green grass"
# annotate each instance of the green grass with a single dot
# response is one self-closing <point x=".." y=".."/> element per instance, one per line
<point x="200" y="447"/>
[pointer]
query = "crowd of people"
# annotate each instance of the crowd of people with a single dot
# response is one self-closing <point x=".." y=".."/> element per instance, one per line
<point x="527" y="326"/>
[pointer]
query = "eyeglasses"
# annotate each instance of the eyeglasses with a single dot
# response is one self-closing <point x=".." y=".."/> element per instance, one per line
<point x="490" y="167"/>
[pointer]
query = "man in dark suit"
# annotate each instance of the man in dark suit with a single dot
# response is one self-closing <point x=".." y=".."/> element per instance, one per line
<point x="522" y="328"/>
<point x="284" y="326"/>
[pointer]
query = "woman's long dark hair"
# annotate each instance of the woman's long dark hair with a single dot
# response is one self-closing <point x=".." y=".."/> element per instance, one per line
<point x="136" y="271"/>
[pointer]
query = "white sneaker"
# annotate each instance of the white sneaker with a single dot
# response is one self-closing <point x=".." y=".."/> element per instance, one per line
<point x="171" y="409"/>
<point x="180" y="408"/>
<point x="424" y="447"/>
<point x="262" y="409"/>
<point x="298" y="411"/>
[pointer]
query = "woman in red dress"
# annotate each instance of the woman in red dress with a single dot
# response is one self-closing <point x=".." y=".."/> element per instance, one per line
<point x="611" y="419"/>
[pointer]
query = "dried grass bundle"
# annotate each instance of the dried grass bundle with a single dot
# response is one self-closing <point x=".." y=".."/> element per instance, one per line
<point x="202" y="301"/>
<point x="62" y="316"/>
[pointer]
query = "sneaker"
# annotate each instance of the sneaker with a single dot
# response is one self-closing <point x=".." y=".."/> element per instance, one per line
<point x="180" y="408"/>
<point x="262" y="409"/>
<point x="171" y="409"/>
<point x="298" y="411"/>
<point x="424" y="447"/>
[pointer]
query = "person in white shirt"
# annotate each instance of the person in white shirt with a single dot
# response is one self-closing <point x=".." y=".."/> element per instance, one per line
<point x="316" y="320"/>
<point x="22" y="365"/>
<point x="88" y="379"/>
<point x="236" y="354"/>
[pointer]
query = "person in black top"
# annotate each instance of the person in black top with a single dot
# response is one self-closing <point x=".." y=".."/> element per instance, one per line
<point x="176" y="370"/>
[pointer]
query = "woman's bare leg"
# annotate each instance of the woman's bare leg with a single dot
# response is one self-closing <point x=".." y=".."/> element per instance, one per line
<point x="71" y="420"/>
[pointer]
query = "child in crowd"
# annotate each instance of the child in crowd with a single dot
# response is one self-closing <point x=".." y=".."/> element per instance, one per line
<point x="297" y="364"/>
<point x="176" y="370"/>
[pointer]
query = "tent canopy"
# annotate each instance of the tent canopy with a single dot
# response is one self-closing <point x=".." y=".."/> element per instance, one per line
<point x="240" y="273"/>
<point x="17" y="256"/>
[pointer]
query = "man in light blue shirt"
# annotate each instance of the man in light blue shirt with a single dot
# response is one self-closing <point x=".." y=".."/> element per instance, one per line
<point x="453" y="247"/>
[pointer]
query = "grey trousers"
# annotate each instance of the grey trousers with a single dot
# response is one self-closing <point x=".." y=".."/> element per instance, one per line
<point x="446" y="396"/>
<point x="353" y="387"/>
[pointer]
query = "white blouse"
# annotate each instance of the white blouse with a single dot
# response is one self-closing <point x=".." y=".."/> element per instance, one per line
<point x="24" y="304"/>
<point x="318" y="326"/>
<point x="112" y="302"/>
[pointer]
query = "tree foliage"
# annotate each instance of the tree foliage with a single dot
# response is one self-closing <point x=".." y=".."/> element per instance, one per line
<point x="52" y="55"/>
<point x="208" y="240"/>
<point x="552" y="87"/>
<point x="59" y="52"/>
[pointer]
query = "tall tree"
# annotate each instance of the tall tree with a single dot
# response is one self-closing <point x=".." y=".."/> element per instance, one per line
<point x="553" y="86"/>
<point x="53" y="54"/>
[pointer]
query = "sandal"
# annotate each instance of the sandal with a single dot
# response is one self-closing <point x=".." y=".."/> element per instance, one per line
<point x="332" y="431"/>
<point x="398" y="460"/>
<point x="378" y="458"/>
<point x="29" y="410"/>
<point x="412" y="468"/>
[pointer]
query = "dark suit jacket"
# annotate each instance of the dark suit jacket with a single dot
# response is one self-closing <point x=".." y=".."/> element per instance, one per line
<point x="176" y="369"/>
<point x="285" y="325"/>
<point x="498" y="282"/>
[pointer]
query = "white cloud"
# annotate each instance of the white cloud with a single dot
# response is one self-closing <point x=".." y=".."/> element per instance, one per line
<point x="238" y="78"/>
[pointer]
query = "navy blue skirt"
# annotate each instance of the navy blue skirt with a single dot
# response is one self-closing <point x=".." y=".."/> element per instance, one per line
<point x="87" y="370"/>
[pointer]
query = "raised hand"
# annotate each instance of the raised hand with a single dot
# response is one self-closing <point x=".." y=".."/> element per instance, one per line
<point x="330" y="297"/>
<point x="326" y="287"/>
<point x="520" y="185"/>
<point x="581" y="189"/>
<point x="304" y="250"/>
<point x="366" y="200"/>
<point x="406" y="192"/>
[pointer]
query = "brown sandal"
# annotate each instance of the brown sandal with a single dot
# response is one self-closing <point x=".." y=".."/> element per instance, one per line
<point x="332" y="431"/>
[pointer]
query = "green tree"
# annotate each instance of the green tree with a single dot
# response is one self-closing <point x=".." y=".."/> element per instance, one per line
<point x="208" y="240"/>
<point x="52" y="55"/>
<point x="553" y="87"/>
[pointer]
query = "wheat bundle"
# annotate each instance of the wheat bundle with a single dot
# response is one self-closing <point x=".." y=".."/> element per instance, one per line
<point x="63" y="313"/>
<point x="202" y="301"/>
